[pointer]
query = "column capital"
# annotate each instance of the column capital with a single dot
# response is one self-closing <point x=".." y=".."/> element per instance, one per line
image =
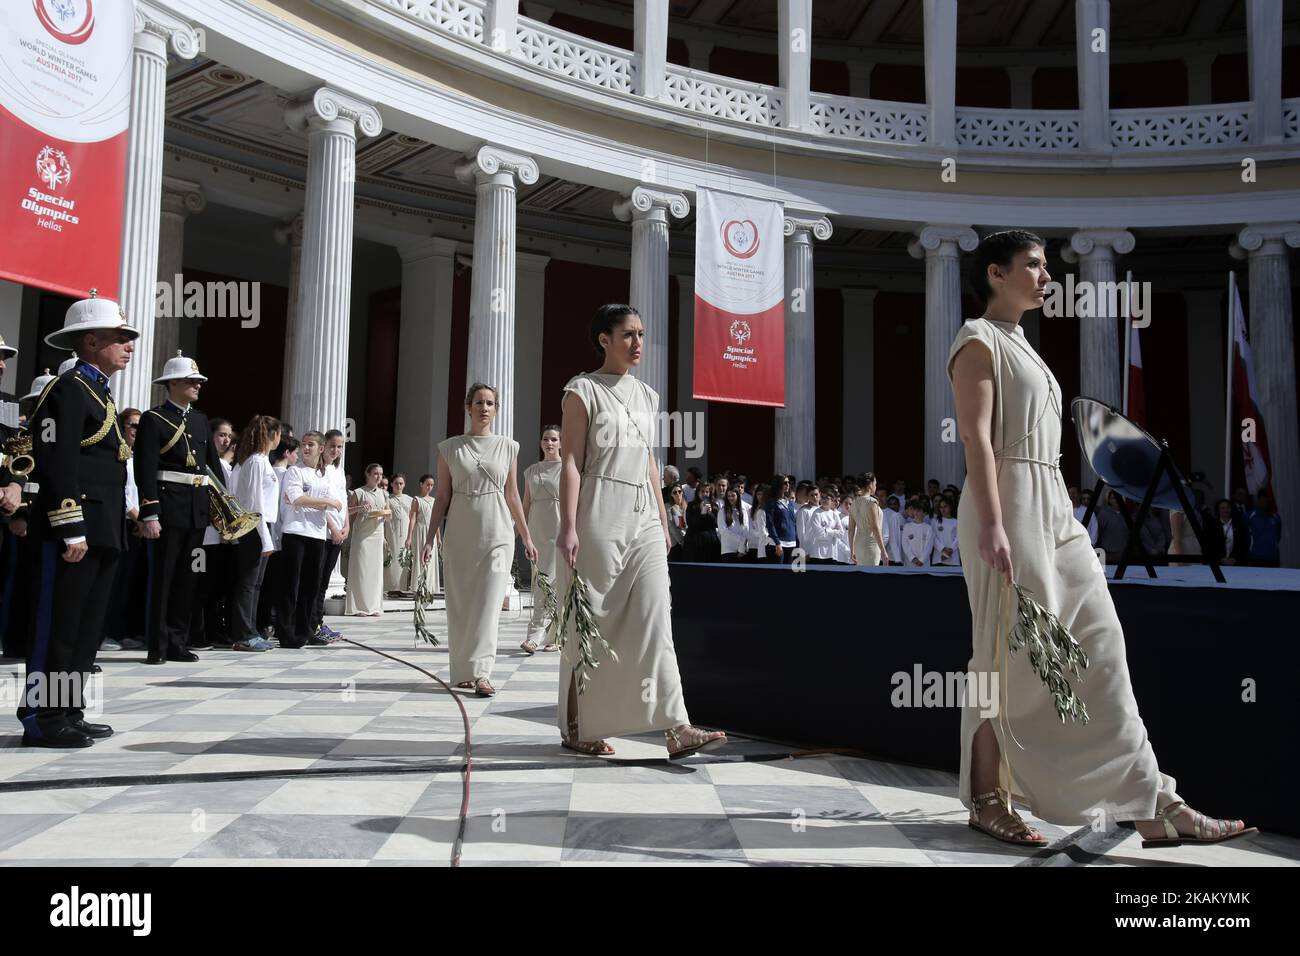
<point x="799" y="226"/>
<point x="647" y="202"/>
<point x="531" y="261"/>
<point x="1265" y="238"/>
<point x="416" y="249"/>
<point x="488" y="161"/>
<point x="328" y="104"/>
<point x="180" y="197"/>
<point x="288" y="232"/>
<point x="1097" y="242"/>
<point x="942" y="239"/>
<point x="153" y="21"/>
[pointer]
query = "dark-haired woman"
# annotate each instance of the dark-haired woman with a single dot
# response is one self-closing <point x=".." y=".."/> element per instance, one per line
<point x="417" y="533"/>
<point x="614" y="536"/>
<point x="675" y="502"/>
<point x="542" y="511"/>
<point x="1017" y="525"/>
<point x="256" y="487"/>
<point x="782" y="520"/>
<point x="396" y="531"/>
<point x="866" y="530"/>
<point x="480" y="497"/>
<point x="365" y="587"/>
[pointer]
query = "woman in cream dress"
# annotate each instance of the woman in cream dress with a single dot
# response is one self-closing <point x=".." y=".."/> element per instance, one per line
<point x="396" y="531"/>
<point x="614" y="535"/>
<point x="369" y="505"/>
<point x="481" y="501"/>
<point x="865" y="525"/>
<point x="542" y="510"/>
<point x="1016" y="524"/>
<point x="418" y="532"/>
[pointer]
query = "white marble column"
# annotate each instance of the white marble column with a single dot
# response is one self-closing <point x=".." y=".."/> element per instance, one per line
<point x="695" y="413"/>
<point x="859" y="380"/>
<point x="1022" y="86"/>
<point x="289" y="233"/>
<point x="1264" y="54"/>
<point x="1205" y="386"/>
<point x="500" y="23"/>
<point x="155" y="31"/>
<point x="941" y="245"/>
<point x="529" y="330"/>
<point x="331" y="120"/>
<point x="1093" y="68"/>
<point x="648" y="209"/>
<point x="1100" y="337"/>
<point x="423" y="356"/>
<point x="650" y="34"/>
<point x="794" y="53"/>
<point x="1272" y="344"/>
<point x="796" y="432"/>
<point x="179" y="199"/>
<point x="941" y="70"/>
<point x="494" y="172"/>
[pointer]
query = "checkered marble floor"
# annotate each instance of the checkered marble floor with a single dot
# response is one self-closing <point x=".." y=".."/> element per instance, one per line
<point x="207" y="769"/>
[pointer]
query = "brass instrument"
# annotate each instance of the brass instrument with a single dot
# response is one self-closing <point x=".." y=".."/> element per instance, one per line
<point x="231" y="521"/>
<point x="16" y="454"/>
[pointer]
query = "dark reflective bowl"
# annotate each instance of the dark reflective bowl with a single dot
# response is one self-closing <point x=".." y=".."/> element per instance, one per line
<point x="1122" y="454"/>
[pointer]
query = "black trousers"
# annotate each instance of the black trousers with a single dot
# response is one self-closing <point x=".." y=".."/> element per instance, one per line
<point x="128" y="605"/>
<point x="172" y="583"/>
<point x="300" y="564"/>
<point x="12" y="638"/>
<point x="71" y="600"/>
<point x="210" y="623"/>
<point x="268" y="599"/>
<point x="250" y="566"/>
<point x="330" y="559"/>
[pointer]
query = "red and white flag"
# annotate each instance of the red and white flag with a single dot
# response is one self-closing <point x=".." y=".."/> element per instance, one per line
<point x="65" y="97"/>
<point x="740" y="299"/>
<point x="1245" y="402"/>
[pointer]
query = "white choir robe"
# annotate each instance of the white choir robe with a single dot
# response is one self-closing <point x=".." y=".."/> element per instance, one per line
<point x="825" y="530"/>
<point x="945" y="536"/>
<point x="1092" y="525"/>
<point x="917" y="541"/>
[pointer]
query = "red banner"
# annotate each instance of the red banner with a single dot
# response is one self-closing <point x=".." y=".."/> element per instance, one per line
<point x="739" y="300"/>
<point x="64" y="105"/>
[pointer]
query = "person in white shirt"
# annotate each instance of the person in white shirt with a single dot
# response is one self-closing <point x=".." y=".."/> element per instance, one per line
<point x="808" y="500"/>
<point x="892" y="520"/>
<point x="748" y="499"/>
<point x="304" y="503"/>
<point x="843" y="552"/>
<point x="284" y="457"/>
<point x="917" y="538"/>
<point x="760" y="545"/>
<point x="692" y="484"/>
<point x="337" y="526"/>
<point x="733" y="527"/>
<point x="255" y="485"/>
<point x="824" y="527"/>
<point x="945" y="550"/>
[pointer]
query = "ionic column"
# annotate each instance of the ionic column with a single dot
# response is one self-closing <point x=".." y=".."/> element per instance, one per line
<point x="648" y="209"/>
<point x="289" y="233"/>
<point x="941" y="245"/>
<point x="794" y="54"/>
<point x="651" y="42"/>
<point x="1272" y="344"/>
<point x="1100" y="337"/>
<point x="320" y="348"/>
<point x="179" y="200"/>
<point x="1092" y="61"/>
<point x="428" y="270"/>
<point x="796" y="434"/>
<point x="859" y="381"/>
<point x="494" y="172"/>
<point x="695" y="413"/>
<point x="1264" y="55"/>
<point x="941" y="70"/>
<point x="155" y="31"/>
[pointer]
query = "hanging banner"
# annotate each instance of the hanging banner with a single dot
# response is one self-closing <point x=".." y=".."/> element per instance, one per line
<point x="739" y="299"/>
<point x="65" y="97"/>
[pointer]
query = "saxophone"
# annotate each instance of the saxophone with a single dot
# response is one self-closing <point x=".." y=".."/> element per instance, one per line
<point x="231" y="521"/>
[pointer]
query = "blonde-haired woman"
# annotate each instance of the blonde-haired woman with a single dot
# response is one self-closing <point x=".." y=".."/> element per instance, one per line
<point x="481" y="502"/>
<point x="865" y="525"/>
<point x="542" y="510"/>
<point x="365" y="585"/>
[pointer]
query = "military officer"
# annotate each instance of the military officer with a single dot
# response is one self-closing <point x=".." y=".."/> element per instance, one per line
<point x="173" y="452"/>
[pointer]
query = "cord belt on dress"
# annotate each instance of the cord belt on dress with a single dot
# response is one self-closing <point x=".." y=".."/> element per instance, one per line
<point x="1054" y="465"/>
<point x="639" y="486"/>
<point x="480" y="494"/>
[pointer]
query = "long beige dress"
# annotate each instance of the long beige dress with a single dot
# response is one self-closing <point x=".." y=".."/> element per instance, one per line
<point x="395" y="578"/>
<point x="866" y="515"/>
<point x="543" y="482"/>
<point x="624" y="562"/>
<point x="1065" y="773"/>
<point x="423" y="515"/>
<point x="365" y="590"/>
<point x="478" y="549"/>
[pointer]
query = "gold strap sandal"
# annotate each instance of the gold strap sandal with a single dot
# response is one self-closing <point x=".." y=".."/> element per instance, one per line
<point x="1008" y="825"/>
<point x="696" y="741"/>
<point x="1207" y="829"/>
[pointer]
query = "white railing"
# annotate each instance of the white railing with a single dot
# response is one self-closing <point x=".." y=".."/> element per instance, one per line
<point x="875" y="121"/>
<point x="577" y="57"/>
<point x="462" y="18"/>
<point x="722" y="97"/>
<point x="1175" y="127"/>
<point x="1043" y="131"/>
<point x="1291" y="119"/>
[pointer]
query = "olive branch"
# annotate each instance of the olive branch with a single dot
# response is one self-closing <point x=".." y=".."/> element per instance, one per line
<point x="1052" y="650"/>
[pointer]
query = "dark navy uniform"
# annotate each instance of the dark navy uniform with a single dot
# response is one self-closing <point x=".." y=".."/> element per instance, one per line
<point x="171" y="439"/>
<point x="80" y="457"/>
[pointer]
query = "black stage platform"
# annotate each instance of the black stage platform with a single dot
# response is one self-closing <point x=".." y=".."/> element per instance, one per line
<point x="807" y="658"/>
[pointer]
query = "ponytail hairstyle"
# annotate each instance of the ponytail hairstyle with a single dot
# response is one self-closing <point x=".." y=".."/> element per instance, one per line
<point x="254" y="436"/>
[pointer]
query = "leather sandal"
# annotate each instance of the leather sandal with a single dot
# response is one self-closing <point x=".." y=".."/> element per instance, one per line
<point x="1007" y="826"/>
<point x="697" y="741"/>
<point x="483" y="688"/>
<point x="592" y="748"/>
<point x="529" y="647"/>
<point x="1223" y="829"/>
<point x="465" y="685"/>
<point x="548" y="648"/>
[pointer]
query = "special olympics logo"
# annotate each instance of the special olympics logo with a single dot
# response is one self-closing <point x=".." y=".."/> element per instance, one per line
<point x="740" y="237"/>
<point x="740" y="331"/>
<point x="53" y="167"/>
<point x="70" y="21"/>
